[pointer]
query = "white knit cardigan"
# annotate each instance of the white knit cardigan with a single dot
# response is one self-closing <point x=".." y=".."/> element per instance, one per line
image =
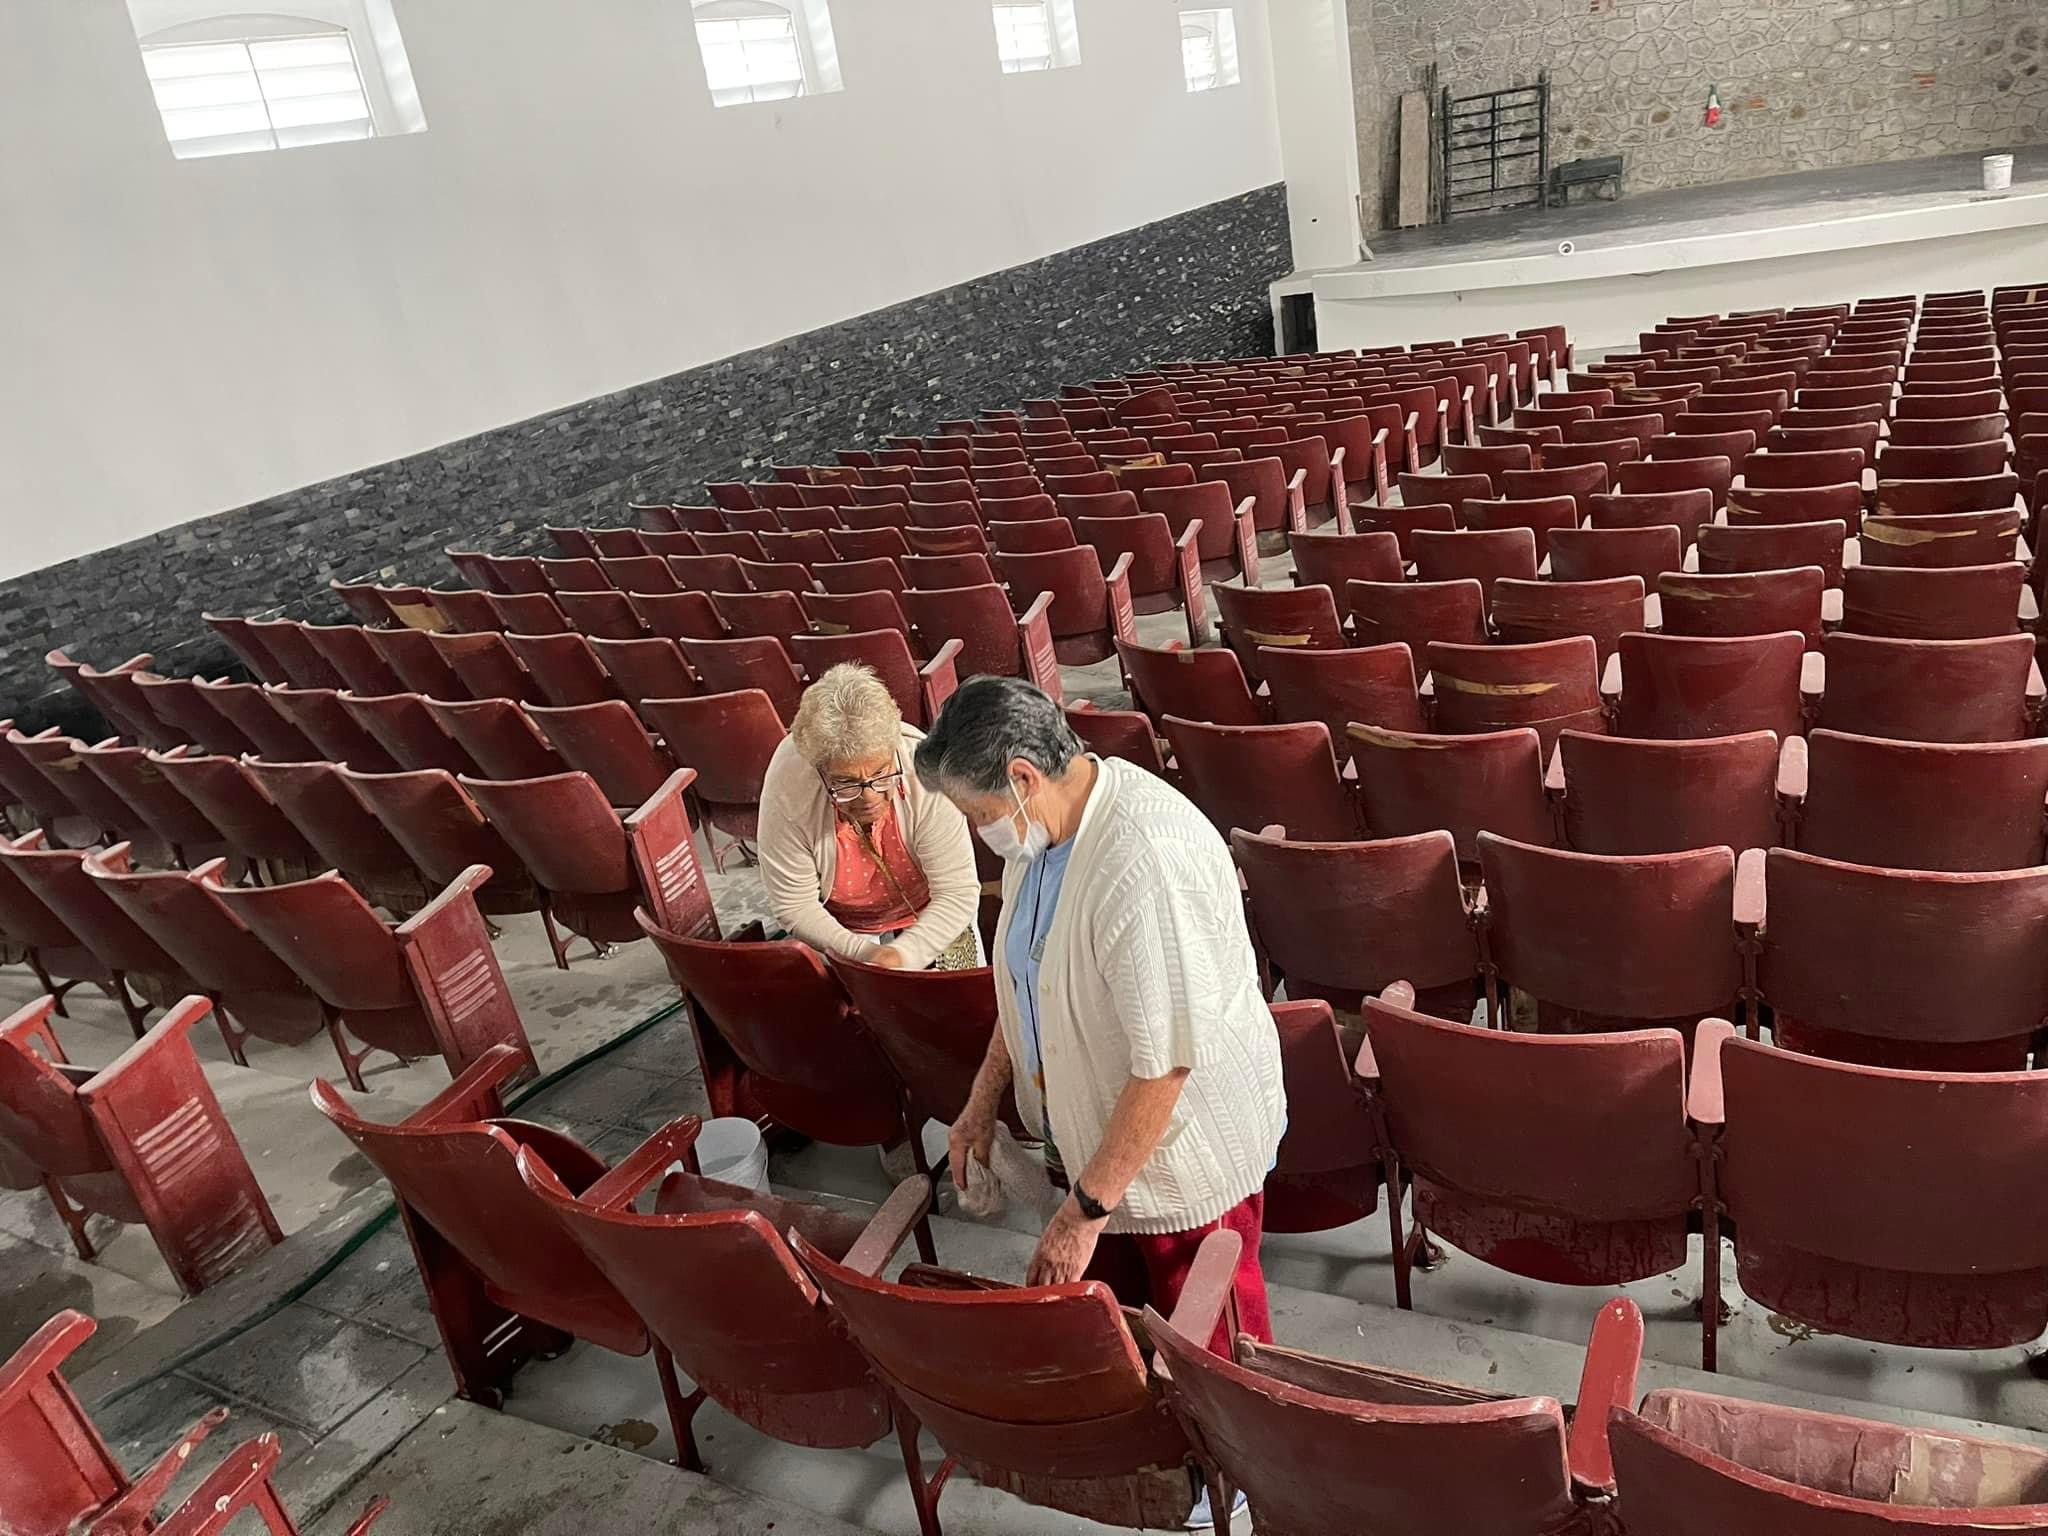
<point x="1147" y="968"/>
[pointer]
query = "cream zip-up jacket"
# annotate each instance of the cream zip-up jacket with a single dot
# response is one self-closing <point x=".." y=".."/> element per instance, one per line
<point x="1148" y="967"/>
<point x="799" y="852"/>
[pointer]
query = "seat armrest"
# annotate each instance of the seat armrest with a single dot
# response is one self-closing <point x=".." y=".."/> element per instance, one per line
<point x="229" y="1482"/>
<point x="1471" y="421"/>
<point x="1610" y="678"/>
<point x="1792" y="764"/>
<point x="1034" y="644"/>
<point x="1245" y="522"/>
<point x="32" y="1027"/>
<point x="1194" y="599"/>
<point x="1749" y="889"/>
<point x="1398" y="994"/>
<point x="1613" y="1358"/>
<point x="939" y="678"/>
<point x="885" y="1233"/>
<point x="1553" y="773"/>
<point x="477" y="1094"/>
<point x="1297" y="505"/>
<point x="1207" y="1295"/>
<point x="673" y="1143"/>
<point x="1380" y="488"/>
<point x="1813" y="677"/>
<point x="1704" y="1103"/>
<point x="174" y="1025"/>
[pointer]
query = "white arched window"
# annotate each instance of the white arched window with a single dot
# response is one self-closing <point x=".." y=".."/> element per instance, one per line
<point x="759" y="50"/>
<point x="231" y="83"/>
<point x="1208" y="49"/>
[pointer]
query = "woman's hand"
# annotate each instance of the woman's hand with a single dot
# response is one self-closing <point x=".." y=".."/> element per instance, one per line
<point x="972" y="1135"/>
<point x="1065" y="1247"/>
<point x="887" y="956"/>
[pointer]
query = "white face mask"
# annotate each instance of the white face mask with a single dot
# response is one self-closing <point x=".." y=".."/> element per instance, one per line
<point x="1001" y="834"/>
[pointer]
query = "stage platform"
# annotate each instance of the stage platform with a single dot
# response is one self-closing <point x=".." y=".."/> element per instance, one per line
<point x="1909" y="227"/>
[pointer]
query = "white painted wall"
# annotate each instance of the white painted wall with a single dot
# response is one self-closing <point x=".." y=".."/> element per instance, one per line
<point x="182" y="337"/>
<point x="1318" y="130"/>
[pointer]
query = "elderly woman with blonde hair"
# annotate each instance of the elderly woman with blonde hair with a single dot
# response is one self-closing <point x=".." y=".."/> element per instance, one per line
<point x="858" y="857"/>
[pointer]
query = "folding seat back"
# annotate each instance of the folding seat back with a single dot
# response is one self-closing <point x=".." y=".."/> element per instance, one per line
<point x="231" y="799"/>
<point x="1324" y="1173"/>
<point x="1714" y="474"/>
<point x="868" y="544"/>
<point x="1737" y="549"/>
<point x="1551" y="686"/>
<point x="1924" y="805"/>
<point x="116" y="694"/>
<point x="919" y="692"/>
<point x="1090" y="610"/>
<point x="578" y="574"/>
<point x="56" y="877"/>
<point x="1409" y="783"/>
<point x="133" y="775"/>
<point x="809" y="546"/>
<point x="1956" y="431"/>
<point x="1306" y="1436"/>
<point x="253" y="991"/>
<point x="1755" y="506"/>
<point x="727" y="739"/>
<point x="1581" y="482"/>
<point x="1627" y="795"/>
<point x="1042" y="1390"/>
<point x="1490" y="462"/>
<point x="733" y="666"/>
<point x="304" y="666"/>
<point x="1963" y="402"/>
<point x="1253" y="617"/>
<point x="641" y="573"/>
<point x="1919" y="1219"/>
<point x="1932" y="541"/>
<point x="1751" y="603"/>
<point x="1786" y="471"/>
<point x="188" y="717"/>
<point x="773" y="614"/>
<point x="1956" y="461"/>
<point x="1690" y="1464"/>
<point x="1031" y="536"/>
<point x="348" y="650"/>
<point x="1528" y="612"/>
<point x="1686" y="510"/>
<point x="1342" y="920"/>
<point x="404" y="726"/>
<point x="1601" y="940"/>
<point x="1480" y="555"/>
<point x="709" y="1272"/>
<point x="1336" y="558"/>
<point x="1403" y="520"/>
<point x="248" y="646"/>
<point x="336" y="734"/>
<point x="1967" y="602"/>
<point x="708" y="572"/>
<point x="1416" y="613"/>
<point x="1952" y="971"/>
<point x="60" y="760"/>
<point x="608" y="742"/>
<point x="878" y="573"/>
<point x="91" y="1140"/>
<point x="1734" y="443"/>
<point x="1600" y="554"/>
<point x="775" y="1033"/>
<point x="1861" y="436"/>
<point x="1204" y="685"/>
<point x="1510" y="1142"/>
<point x="1922" y="498"/>
<point x="413" y="659"/>
<point x="1159" y="572"/>
<point x="1255" y="776"/>
<point x="994" y="640"/>
<point x="1374" y="685"/>
<point x="505" y="1279"/>
<point x="933" y="1027"/>
<point x="486" y="666"/>
<point x="1452" y="490"/>
<point x="443" y="833"/>
<point x="429" y="987"/>
<point x="499" y="737"/>
<point x="462" y="609"/>
<point x="1928" y="690"/>
<point x="1278" y="499"/>
<point x="928" y="573"/>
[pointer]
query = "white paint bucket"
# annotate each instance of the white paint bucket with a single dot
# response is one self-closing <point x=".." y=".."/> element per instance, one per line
<point x="1998" y="173"/>
<point x="732" y="1152"/>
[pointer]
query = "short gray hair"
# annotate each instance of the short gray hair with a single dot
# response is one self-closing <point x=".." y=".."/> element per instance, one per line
<point x="989" y="722"/>
<point x="847" y="713"/>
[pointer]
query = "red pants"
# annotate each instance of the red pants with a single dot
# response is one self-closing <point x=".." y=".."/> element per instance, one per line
<point x="1152" y="1268"/>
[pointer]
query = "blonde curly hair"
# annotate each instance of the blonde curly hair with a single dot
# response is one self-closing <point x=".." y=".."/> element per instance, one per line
<point x="848" y="713"/>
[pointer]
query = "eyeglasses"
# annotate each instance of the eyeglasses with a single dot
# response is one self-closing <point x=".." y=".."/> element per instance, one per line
<point x="847" y="791"/>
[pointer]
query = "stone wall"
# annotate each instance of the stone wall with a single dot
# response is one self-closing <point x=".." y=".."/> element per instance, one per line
<point x="1186" y="287"/>
<point x="1805" y="84"/>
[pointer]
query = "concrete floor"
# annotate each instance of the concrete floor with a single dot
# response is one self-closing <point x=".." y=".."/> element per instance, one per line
<point x="1595" y="224"/>
<point x="330" y="1345"/>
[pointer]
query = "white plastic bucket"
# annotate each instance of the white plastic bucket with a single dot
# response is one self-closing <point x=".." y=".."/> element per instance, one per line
<point x="732" y="1152"/>
<point x="1998" y="173"/>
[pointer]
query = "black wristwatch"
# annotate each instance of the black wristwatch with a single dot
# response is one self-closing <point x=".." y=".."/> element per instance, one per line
<point x="1091" y="1207"/>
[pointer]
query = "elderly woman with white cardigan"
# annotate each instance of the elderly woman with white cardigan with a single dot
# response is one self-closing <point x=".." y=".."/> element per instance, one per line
<point x="858" y="858"/>
<point x="1132" y="1027"/>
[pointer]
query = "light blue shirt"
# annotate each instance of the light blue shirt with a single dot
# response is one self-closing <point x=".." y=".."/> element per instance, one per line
<point x="1031" y="915"/>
